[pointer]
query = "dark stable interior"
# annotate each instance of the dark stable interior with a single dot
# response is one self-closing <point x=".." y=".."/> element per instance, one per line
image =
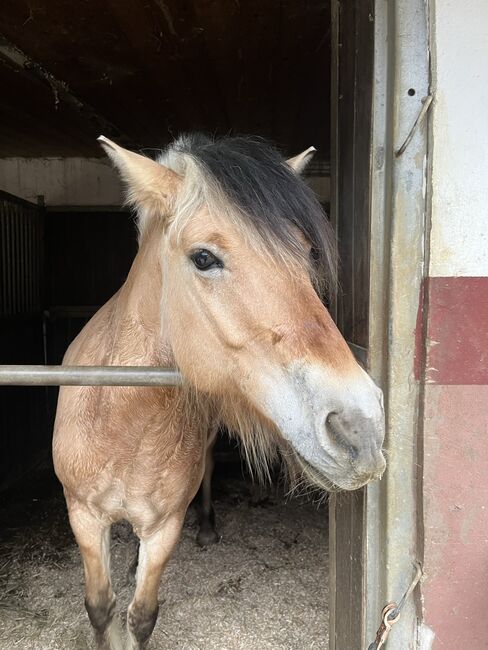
<point x="139" y="72"/>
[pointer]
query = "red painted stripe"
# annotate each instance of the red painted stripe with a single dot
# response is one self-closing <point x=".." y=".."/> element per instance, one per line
<point x="457" y="330"/>
<point x="456" y="516"/>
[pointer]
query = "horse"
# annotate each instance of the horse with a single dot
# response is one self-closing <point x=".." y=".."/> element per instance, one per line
<point x="234" y="254"/>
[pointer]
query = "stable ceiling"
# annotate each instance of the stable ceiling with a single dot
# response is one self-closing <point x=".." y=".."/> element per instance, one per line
<point x="141" y="71"/>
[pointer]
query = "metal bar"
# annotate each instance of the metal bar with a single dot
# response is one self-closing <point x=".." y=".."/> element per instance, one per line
<point x="24" y="262"/>
<point x="375" y="531"/>
<point x="31" y="276"/>
<point x="17" y="252"/>
<point x="88" y="376"/>
<point x="4" y="264"/>
<point x="39" y="260"/>
<point x="9" y="236"/>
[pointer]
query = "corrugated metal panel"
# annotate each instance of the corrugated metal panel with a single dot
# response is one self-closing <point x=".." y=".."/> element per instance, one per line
<point x="25" y="425"/>
<point x="21" y="226"/>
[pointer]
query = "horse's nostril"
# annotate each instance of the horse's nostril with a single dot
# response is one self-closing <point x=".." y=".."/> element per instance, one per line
<point x="354" y="441"/>
<point x="337" y="434"/>
<point x="328" y="419"/>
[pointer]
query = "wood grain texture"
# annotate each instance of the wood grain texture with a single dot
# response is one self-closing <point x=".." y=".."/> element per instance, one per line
<point x="354" y="130"/>
<point x="156" y="68"/>
<point x="353" y="57"/>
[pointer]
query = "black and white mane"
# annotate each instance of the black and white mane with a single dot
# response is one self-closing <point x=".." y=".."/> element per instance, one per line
<point x="250" y="178"/>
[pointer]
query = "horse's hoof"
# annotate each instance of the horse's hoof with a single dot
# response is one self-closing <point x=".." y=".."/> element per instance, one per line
<point x="207" y="537"/>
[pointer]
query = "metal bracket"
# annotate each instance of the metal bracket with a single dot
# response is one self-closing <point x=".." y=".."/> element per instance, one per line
<point x="426" y="102"/>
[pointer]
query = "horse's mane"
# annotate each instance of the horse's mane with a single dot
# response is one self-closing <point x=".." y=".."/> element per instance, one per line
<point x="248" y="178"/>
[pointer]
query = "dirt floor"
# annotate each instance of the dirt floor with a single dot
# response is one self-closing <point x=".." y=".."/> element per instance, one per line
<point x="263" y="587"/>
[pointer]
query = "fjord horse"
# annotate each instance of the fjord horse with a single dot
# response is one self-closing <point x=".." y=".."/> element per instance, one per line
<point x="232" y="246"/>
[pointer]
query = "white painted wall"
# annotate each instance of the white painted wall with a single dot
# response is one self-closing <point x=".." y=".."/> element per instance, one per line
<point x="62" y="181"/>
<point x="459" y="238"/>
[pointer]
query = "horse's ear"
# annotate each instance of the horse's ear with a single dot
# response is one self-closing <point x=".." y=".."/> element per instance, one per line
<point x="298" y="163"/>
<point x="150" y="186"/>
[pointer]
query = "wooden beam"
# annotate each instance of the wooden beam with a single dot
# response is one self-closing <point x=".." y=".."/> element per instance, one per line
<point x="62" y="92"/>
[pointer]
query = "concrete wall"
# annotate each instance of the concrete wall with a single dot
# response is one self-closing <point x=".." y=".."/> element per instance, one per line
<point x="455" y="304"/>
<point x="83" y="181"/>
<point x="62" y="181"/>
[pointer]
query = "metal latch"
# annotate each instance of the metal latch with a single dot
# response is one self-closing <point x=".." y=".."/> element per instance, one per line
<point x="391" y="613"/>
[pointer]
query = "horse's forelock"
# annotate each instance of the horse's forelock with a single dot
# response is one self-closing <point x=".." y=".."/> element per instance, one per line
<point x="252" y="177"/>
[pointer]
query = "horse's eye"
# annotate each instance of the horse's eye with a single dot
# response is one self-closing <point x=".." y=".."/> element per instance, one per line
<point x="205" y="260"/>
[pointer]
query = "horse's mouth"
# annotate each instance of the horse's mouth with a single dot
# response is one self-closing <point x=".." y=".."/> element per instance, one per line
<point x="314" y="476"/>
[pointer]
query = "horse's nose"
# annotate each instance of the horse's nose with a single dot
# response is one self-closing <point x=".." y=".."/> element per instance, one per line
<point x="361" y="438"/>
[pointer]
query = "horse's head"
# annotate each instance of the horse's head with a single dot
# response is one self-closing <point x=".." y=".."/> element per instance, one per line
<point x="242" y="240"/>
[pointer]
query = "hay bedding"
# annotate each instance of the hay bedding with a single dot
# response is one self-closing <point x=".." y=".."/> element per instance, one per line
<point x="263" y="587"/>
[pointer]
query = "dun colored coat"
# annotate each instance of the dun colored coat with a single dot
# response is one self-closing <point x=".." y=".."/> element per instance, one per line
<point x="232" y="248"/>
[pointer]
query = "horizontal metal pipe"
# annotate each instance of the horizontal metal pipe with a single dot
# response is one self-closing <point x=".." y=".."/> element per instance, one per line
<point x="88" y="376"/>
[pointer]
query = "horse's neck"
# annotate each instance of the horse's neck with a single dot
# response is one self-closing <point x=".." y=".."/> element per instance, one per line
<point x="135" y="321"/>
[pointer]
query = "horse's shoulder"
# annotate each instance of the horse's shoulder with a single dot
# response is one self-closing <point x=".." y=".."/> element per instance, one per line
<point x="90" y="345"/>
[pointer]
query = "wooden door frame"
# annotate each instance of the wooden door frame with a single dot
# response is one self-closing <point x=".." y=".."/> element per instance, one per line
<point x="389" y="529"/>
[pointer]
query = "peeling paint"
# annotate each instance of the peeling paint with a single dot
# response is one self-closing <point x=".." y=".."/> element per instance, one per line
<point x="426" y="637"/>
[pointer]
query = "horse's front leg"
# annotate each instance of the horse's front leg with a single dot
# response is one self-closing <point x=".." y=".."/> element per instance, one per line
<point x="93" y="538"/>
<point x="207" y="533"/>
<point x="154" y="553"/>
